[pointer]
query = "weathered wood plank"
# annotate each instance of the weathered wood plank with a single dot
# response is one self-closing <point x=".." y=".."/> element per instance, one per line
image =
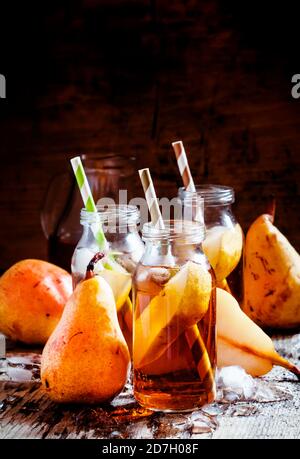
<point x="27" y="412"/>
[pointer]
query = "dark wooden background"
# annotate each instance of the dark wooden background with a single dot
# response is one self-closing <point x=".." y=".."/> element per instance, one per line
<point x="132" y="76"/>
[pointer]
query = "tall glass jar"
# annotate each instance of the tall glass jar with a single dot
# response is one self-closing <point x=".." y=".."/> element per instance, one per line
<point x="174" y="350"/>
<point x="120" y="225"/>
<point x="223" y="244"/>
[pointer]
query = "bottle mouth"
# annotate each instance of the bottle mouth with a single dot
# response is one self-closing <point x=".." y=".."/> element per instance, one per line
<point x="182" y="231"/>
<point x="111" y="215"/>
<point x="213" y="195"/>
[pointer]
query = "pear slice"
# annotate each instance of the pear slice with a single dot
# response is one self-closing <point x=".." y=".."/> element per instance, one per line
<point x="241" y="342"/>
<point x="182" y="302"/>
<point x="120" y="282"/>
<point x="223" y="248"/>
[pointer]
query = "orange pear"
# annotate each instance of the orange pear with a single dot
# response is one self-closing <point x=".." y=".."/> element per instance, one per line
<point x="33" y="294"/>
<point x="86" y="359"/>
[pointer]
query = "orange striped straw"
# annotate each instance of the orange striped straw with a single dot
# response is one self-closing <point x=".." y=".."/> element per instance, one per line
<point x="192" y="334"/>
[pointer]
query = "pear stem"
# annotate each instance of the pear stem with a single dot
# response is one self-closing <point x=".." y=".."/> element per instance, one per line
<point x="271" y="209"/>
<point x="91" y="266"/>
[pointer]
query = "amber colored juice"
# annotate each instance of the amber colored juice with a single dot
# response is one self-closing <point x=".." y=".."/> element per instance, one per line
<point x="171" y="382"/>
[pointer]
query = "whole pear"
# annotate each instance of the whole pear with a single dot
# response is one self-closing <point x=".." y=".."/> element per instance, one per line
<point x="33" y="294"/>
<point x="271" y="276"/>
<point x="86" y="359"/>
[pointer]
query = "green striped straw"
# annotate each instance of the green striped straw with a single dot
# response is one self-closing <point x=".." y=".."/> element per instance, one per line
<point x="87" y="197"/>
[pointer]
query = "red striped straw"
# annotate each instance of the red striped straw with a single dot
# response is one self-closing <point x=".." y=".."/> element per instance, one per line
<point x="192" y="334"/>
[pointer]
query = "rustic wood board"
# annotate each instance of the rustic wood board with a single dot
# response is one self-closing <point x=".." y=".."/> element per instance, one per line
<point x="26" y="411"/>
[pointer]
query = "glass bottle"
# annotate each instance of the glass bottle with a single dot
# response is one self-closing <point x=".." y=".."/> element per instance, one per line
<point x="106" y="174"/>
<point x="120" y="225"/>
<point x="174" y="347"/>
<point x="223" y="244"/>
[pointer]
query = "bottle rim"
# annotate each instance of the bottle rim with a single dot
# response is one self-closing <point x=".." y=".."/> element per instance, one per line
<point x="184" y="231"/>
<point x="111" y="214"/>
<point x="213" y="195"/>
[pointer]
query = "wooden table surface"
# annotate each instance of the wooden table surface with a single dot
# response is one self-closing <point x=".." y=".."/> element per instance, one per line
<point x="26" y="411"/>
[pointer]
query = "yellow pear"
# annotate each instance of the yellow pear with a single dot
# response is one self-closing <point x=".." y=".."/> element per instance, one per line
<point x="271" y="276"/>
<point x="182" y="302"/>
<point x="86" y="359"/>
<point x="241" y="342"/>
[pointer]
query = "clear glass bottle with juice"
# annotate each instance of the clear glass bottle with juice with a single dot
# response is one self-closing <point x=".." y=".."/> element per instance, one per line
<point x="223" y="244"/>
<point x="174" y="343"/>
<point x="124" y="250"/>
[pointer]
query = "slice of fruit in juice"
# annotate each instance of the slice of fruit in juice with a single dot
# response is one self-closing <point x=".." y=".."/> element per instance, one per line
<point x="176" y="357"/>
<point x="120" y="283"/>
<point x="181" y="303"/>
<point x="223" y="248"/>
<point x="125" y="322"/>
<point x="127" y="313"/>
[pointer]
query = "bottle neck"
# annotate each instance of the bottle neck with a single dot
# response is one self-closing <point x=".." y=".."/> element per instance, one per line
<point x="217" y="204"/>
<point x="174" y="244"/>
<point x="174" y="232"/>
<point x="113" y="219"/>
<point x="173" y="254"/>
<point x="213" y="195"/>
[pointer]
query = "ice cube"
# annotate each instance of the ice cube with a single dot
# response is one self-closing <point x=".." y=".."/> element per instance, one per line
<point x="234" y="383"/>
<point x="82" y="259"/>
<point x="127" y="263"/>
<point x="159" y="275"/>
<point x="203" y="422"/>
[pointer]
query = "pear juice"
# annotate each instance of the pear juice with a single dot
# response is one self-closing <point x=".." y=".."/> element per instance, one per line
<point x="166" y="372"/>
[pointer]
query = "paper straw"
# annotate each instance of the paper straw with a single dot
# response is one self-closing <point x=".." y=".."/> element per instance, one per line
<point x="186" y="175"/>
<point x="194" y="337"/>
<point x="83" y="185"/>
<point x="192" y="334"/>
<point x="150" y="195"/>
<point x="183" y="166"/>
<point x="200" y="355"/>
<point x="87" y="197"/>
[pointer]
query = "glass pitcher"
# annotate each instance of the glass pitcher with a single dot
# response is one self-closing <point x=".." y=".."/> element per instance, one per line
<point x="62" y="204"/>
